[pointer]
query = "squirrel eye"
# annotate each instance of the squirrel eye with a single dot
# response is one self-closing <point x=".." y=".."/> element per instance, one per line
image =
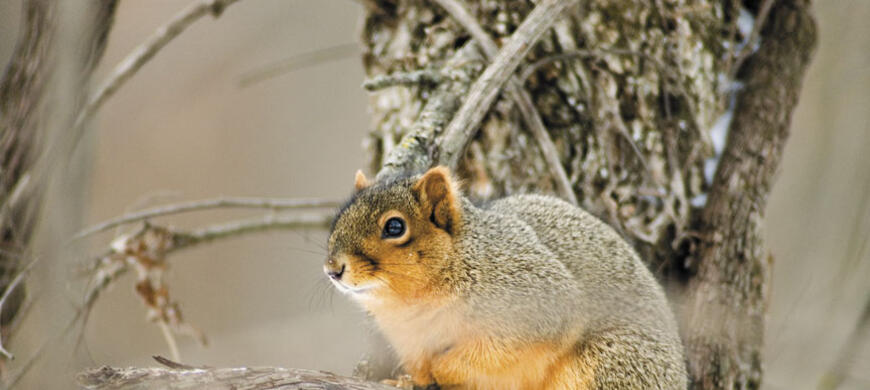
<point x="394" y="228"/>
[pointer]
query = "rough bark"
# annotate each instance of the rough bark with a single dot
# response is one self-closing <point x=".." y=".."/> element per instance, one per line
<point x="728" y="295"/>
<point x="30" y="81"/>
<point x="630" y="118"/>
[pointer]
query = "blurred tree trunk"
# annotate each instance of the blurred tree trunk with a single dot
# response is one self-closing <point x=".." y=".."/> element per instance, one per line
<point x="42" y="86"/>
<point x="670" y="126"/>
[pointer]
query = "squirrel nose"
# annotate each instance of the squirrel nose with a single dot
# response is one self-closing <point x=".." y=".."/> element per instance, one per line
<point x="333" y="270"/>
<point x="336" y="275"/>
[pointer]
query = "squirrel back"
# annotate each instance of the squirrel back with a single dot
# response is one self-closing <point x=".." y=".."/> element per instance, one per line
<point x="527" y="291"/>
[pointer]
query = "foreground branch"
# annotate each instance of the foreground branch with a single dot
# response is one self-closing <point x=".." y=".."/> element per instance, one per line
<point x="189" y="378"/>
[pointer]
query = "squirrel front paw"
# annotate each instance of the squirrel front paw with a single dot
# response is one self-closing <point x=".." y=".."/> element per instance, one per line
<point x="405" y="382"/>
<point x="402" y="382"/>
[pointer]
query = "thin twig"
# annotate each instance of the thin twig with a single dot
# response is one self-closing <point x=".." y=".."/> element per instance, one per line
<point x="746" y="50"/>
<point x="519" y="95"/>
<point x="109" y="269"/>
<point x="176" y="365"/>
<point x="297" y="62"/>
<point x="239" y="228"/>
<point x="143" y="53"/>
<point x="185" y="239"/>
<point x="170" y="340"/>
<point x="417" y="77"/>
<point x="182" y="239"/>
<point x="415" y="151"/>
<point x="9" y="289"/>
<point x="484" y="91"/>
<point x="198" y="205"/>
<point x="579" y="53"/>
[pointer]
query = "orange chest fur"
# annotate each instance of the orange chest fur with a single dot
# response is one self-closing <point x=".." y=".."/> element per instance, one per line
<point x="438" y="343"/>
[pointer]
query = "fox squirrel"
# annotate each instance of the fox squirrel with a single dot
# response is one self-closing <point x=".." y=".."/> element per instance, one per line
<point x="524" y="292"/>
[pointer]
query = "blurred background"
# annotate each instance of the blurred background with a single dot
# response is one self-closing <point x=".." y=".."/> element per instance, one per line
<point x="185" y="128"/>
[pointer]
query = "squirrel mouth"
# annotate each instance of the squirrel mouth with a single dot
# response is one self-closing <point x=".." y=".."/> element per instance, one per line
<point x="361" y="291"/>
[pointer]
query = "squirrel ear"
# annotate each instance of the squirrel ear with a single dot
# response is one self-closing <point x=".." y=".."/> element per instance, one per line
<point x="360" y="182"/>
<point x="439" y="199"/>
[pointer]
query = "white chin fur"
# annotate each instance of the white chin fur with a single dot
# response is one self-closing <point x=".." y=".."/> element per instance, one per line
<point x="361" y="292"/>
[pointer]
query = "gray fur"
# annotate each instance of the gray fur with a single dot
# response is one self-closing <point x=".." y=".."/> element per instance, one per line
<point x="627" y="324"/>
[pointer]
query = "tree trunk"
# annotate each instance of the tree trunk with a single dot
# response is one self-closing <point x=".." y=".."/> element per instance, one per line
<point x="728" y="295"/>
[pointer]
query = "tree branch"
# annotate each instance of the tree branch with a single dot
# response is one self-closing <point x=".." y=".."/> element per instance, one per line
<point x="520" y="96"/>
<point x="728" y="295"/>
<point x="415" y="151"/>
<point x="143" y="53"/>
<point x="483" y="92"/>
<point x="147" y="251"/>
<point x="205" y="204"/>
<point x="414" y="77"/>
<point x="107" y="270"/>
<point x="189" y="378"/>
<point x="238" y="228"/>
<point x="297" y="62"/>
<point x="8" y="292"/>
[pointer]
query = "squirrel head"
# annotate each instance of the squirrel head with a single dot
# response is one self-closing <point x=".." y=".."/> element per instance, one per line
<point x="394" y="239"/>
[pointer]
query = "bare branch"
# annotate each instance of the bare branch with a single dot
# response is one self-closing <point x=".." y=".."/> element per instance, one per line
<point x="147" y="251"/>
<point x="169" y="337"/>
<point x="210" y="378"/>
<point x="415" y="151"/>
<point x="519" y="95"/>
<point x="199" y="205"/>
<point x="484" y="91"/>
<point x="297" y="62"/>
<point x="143" y="53"/>
<point x="9" y="289"/>
<point x="416" y="77"/>
<point x="234" y="229"/>
<point x="107" y="270"/>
